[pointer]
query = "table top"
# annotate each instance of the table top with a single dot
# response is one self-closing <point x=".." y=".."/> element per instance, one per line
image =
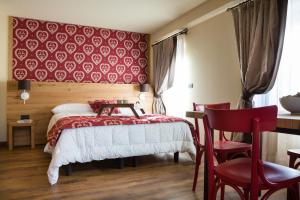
<point x="288" y="121"/>
<point x="194" y="114"/>
<point x="285" y="122"/>
<point x="16" y="123"/>
<point x="288" y="116"/>
<point x="117" y="105"/>
<point x="199" y="114"/>
<point x="120" y="105"/>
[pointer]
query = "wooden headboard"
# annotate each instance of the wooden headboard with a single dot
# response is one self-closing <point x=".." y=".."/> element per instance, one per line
<point x="46" y="95"/>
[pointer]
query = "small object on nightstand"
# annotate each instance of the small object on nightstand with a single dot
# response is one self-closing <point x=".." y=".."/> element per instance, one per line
<point x="24" y="121"/>
<point x="20" y="123"/>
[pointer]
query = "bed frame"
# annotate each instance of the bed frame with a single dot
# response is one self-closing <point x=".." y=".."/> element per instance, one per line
<point x="120" y="163"/>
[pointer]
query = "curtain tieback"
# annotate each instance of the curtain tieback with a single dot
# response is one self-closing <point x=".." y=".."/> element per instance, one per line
<point x="157" y="96"/>
<point x="247" y="99"/>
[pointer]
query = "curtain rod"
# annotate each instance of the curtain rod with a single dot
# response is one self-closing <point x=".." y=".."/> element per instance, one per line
<point x="247" y="1"/>
<point x="184" y="31"/>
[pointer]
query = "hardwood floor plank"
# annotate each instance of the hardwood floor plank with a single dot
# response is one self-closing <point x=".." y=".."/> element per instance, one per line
<point x="23" y="175"/>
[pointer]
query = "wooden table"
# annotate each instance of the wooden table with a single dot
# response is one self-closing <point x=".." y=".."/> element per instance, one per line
<point x="119" y="105"/>
<point x="12" y="125"/>
<point x="286" y="123"/>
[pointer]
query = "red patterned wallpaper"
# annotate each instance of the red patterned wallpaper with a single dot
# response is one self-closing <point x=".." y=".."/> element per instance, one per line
<point x="50" y="51"/>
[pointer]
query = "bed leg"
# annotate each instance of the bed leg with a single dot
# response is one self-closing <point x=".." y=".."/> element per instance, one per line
<point x="134" y="161"/>
<point x="120" y="163"/>
<point x="68" y="169"/>
<point x="176" y="157"/>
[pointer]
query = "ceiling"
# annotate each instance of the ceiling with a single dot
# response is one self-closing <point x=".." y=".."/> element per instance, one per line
<point x="144" y="16"/>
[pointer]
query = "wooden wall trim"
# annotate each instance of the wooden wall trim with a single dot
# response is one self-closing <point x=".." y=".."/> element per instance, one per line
<point x="46" y="95"/>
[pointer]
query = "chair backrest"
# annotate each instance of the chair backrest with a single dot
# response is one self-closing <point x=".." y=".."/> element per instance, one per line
<point x="252" y="121"/>
<point x="219" y="106"/>
<point x="201" y="107"/>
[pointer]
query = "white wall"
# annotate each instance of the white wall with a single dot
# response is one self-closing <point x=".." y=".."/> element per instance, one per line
<point x="4" y="54"/>
<point x="212" y="61"/>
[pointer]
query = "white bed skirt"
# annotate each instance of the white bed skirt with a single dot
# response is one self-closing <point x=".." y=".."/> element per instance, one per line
<point x="107" y="142"/>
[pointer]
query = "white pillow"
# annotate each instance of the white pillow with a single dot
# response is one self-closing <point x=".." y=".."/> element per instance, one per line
<point x="72" y="108"/>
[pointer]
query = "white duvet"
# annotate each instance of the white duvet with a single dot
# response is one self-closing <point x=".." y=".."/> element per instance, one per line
<point x="106" y="142"/>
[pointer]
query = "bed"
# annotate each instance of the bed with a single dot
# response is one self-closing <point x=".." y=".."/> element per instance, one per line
<point x="85" y="144"/>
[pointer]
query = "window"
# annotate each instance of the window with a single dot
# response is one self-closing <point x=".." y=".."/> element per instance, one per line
<point x="175" y="97"/>
<point x="287" y="82"/>
<point x="288" y="77"/>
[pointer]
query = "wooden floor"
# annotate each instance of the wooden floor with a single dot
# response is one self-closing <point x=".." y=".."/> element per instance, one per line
<point x="23" y="176"/>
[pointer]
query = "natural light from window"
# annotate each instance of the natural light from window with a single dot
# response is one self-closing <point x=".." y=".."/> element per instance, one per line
<point x="176" y="98"/>
<point x="288" y="78"/>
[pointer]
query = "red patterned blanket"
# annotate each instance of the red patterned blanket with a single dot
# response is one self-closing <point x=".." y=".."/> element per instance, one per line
<point x="87" y="121"/>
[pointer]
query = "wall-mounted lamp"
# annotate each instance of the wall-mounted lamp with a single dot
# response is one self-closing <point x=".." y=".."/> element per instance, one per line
<point x="24" y="85"/>
<point x="143" y="88"/>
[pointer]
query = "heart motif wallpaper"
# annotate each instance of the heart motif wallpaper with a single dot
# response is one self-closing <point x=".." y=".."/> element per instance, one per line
<point x="57" y="52"/>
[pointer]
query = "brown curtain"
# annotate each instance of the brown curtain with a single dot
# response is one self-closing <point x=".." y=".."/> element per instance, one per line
<point x="259" y="27"/>
<point x="164" y="56"/>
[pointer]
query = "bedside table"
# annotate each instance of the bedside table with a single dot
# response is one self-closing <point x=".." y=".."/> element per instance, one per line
<point x="12" y="125"/>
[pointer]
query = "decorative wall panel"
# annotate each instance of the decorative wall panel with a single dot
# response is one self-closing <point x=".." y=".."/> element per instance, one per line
<point x="57" y="52"/>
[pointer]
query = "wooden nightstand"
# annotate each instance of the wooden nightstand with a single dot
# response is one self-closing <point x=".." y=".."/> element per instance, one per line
<point x="12" y="125"/>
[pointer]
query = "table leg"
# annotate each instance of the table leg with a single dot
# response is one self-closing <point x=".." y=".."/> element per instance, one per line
<point x="100" y="110"/>
<point x="32" y="137"/>
<point x="111" y="110"/>
<point x="10" y="138"/>
<point x="134" y="112"/>
<point x="205" y="191"/>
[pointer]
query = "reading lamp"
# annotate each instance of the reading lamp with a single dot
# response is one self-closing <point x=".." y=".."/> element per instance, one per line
<point x="143" y="88"/>
<point x="24" y="85"/>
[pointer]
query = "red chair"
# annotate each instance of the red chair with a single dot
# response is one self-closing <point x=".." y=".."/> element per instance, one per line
<point x="294" y="155"/>
<point x="224" y="149"/>
<point x="247" y="175"/>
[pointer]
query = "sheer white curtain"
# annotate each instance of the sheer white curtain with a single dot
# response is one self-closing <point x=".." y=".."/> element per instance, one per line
<point x="288" y="78"/>
<point x="175" y="98"/>
<point x="287" y="83"/>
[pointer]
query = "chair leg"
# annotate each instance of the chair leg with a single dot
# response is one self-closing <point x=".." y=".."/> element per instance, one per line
<point x="293" y="192"/>
<point x="214" y="192"/>
<point x="254" y="195"/>
<point x="268" y="194"/>
<point x="246" y="194"/>
<point x="198" y="161"/>
<point x="289" y="194"/>
<point x="222" y="191"/>
<point x="296" y="189"/>
<point x="292" y="161"/>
